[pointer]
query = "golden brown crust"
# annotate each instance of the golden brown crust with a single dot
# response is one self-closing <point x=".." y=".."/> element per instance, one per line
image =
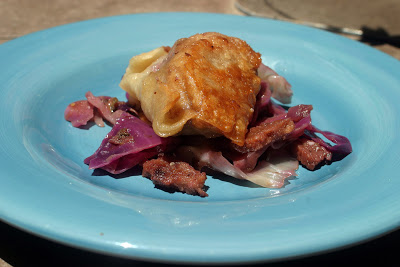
<point x="207" y="85"/>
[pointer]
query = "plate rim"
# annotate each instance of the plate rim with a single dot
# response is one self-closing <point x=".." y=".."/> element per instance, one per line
<point x="20" y="225"/>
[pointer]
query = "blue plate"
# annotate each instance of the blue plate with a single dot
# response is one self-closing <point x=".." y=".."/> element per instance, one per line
<point x="47" y="190"/>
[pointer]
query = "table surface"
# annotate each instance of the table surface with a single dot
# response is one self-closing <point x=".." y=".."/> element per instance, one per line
<point x="20" y="17"/>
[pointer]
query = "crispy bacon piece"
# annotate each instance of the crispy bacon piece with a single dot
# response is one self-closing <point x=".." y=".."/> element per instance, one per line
<point x="175" y="175"/>
<point x="265" y="134"/>
<point x="310" y="153"/>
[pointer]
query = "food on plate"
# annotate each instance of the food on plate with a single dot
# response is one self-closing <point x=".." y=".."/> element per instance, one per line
<point x="207" y="102"/>
<point x="206" y="84"/>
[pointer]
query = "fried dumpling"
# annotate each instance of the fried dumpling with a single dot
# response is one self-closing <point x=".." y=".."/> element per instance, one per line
<point x="206" y="84"/>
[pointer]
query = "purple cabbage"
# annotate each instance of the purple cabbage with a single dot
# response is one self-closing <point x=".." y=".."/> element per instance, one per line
<point x="79" y="113"/>
<point x="280" y="88"/>
<point x="129" y="143"/>
<point x="95" y="108"/>
<point x="267" y="111"/>
<point x="342" y="145"/>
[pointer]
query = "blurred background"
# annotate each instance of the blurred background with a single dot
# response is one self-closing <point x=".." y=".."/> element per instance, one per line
<point x="376" y="23"/>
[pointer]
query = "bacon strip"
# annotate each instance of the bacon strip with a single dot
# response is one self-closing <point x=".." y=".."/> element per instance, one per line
<point x="265" y="134"/>
<point x="310" y="153"/>
<point x="176" y="175"/>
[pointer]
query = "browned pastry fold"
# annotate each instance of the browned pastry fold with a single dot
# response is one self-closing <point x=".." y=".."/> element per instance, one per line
<point x="206" y="84"/>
